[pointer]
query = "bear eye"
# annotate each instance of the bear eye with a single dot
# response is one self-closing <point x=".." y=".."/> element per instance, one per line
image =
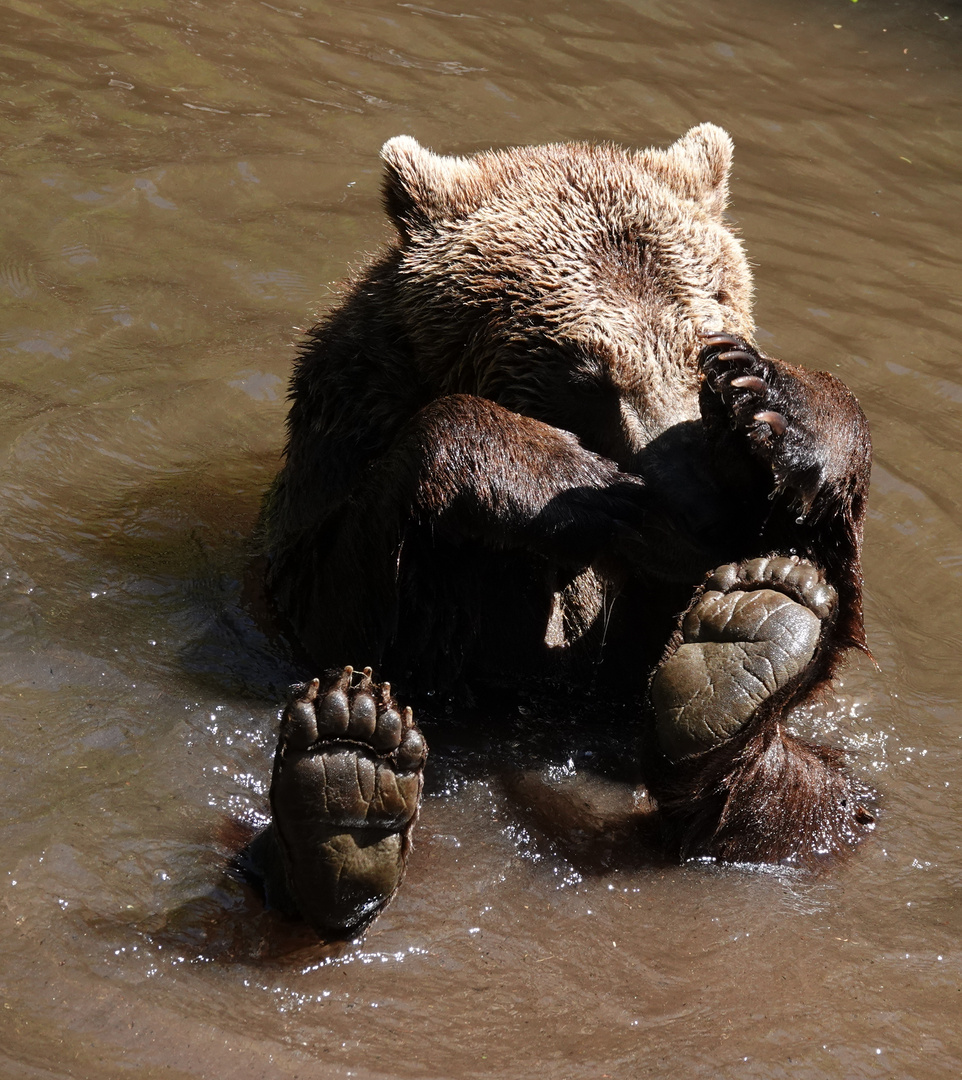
<point x="722" y="296"/>
<point x="581" y="379"/>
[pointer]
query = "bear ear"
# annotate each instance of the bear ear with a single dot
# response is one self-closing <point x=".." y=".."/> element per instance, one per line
<point x="422" y="188"/>
<point x="697" y="166"/>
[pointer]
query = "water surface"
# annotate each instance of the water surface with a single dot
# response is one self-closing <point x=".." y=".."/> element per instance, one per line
<point x="183" y="186"/>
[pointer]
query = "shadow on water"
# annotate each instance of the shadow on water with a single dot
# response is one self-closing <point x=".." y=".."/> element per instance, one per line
<point x="563" y="773"/>
<point x="187" y="537"/>
<point x="225" y="922"/>
<point x="183" y="180"/>
<point x="563" y="784"/>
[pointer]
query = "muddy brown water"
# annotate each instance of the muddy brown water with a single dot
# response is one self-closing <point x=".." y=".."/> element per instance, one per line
<point x="182" y="186"/>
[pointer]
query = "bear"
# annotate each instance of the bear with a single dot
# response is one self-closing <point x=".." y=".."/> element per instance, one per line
<point x="536" y="440"/>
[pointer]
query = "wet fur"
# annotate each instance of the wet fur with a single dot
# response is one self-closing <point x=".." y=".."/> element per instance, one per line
<point x="502" y="430"/>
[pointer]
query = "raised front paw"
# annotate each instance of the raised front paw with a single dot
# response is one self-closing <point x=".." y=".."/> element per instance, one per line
<point x="772" y="410"/>
<point x="345" y="793"/>
<point x="753" y="629"/>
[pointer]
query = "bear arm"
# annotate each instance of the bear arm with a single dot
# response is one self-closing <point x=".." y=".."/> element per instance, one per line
<point x="804" y="428"/>
<point x="482" y="472"/>
<point x="464" y="470"/>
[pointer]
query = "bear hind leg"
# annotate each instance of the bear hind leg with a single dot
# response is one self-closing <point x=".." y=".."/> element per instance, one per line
<point x="733" y="785"/>
<point x="345" y="795"/>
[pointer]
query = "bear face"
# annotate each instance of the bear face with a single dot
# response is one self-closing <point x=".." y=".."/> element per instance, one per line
<point x="533" y="432"/>
<point x="570" y="283"/>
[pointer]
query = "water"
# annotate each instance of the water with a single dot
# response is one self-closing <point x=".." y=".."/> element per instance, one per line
<point x="183" y="186"/>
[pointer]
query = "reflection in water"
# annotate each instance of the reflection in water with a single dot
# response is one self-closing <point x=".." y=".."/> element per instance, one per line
<point x="183" y="188"/>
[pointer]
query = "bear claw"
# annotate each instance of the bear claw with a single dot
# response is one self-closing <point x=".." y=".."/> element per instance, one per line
<point x="775" y="421"/>
<point x="761" y="403"/>
<point x="713" y="341"/>
<point x="750" y="382"/>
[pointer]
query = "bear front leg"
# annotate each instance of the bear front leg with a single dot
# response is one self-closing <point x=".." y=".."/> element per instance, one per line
<point x="805" y="426"/>
<point x="797" y="442"/>
<point x="732" y="784"/>
<point x="345" y="794"/>
<point x="395" y="566"/>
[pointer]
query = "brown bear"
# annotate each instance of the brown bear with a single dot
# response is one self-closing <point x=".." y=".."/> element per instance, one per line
<point x="533" y="432"/>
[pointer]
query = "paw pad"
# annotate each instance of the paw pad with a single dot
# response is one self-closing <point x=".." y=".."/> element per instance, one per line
<point x="353" y="709"/>
<point x="755" y="627"/>
<point x="345" y="795"/>
<point x="801" y="580"/>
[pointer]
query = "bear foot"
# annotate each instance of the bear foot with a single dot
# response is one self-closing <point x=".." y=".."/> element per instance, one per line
<point x="753" y="629"/>
<point x="345" y="793"/>
<point x="765" y="402"/>
<point x="735" y="786"/>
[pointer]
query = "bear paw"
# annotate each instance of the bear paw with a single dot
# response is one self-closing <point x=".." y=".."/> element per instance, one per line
<point x="765" y="403"/>
<point x="754" y="627"/>
<point x="345" y="793"/>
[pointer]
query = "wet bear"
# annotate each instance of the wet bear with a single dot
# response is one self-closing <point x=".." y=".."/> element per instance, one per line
<point x="536" y="440"/>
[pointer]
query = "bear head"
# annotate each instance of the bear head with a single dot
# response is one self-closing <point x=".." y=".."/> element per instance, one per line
<point x="571" y="282"/>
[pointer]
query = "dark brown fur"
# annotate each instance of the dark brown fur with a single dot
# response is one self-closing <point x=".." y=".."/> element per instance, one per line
<point x="505" y="458"/>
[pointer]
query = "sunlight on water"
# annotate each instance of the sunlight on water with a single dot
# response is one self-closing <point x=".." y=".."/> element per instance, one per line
<point x="184" y="187"/>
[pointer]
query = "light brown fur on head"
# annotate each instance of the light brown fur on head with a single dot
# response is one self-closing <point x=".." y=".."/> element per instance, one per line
<point x="544" y="277"/>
